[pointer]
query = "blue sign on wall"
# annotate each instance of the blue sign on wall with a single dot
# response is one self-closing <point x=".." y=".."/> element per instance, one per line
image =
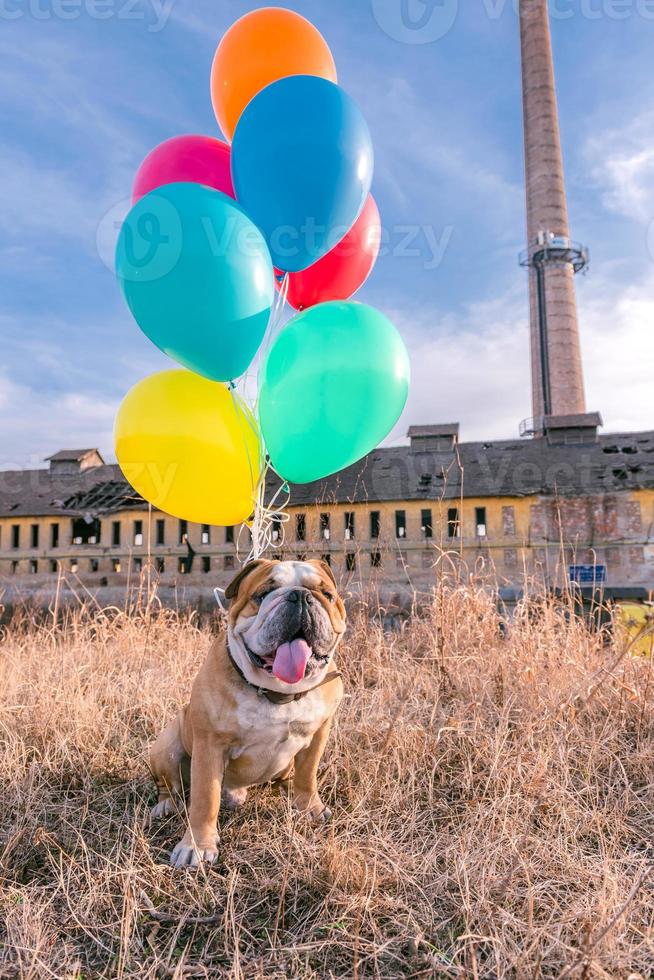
<point x="588" y="574"/>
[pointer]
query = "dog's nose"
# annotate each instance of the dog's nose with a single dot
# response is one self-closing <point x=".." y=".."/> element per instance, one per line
<point x="297" y="595"/>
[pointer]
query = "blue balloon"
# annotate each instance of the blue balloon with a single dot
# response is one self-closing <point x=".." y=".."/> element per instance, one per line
<point x="198" y="278"/>
<point x="302" y="163"/>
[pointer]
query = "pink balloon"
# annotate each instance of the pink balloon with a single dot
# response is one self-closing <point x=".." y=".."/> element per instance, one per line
<point x="192" y="159"/>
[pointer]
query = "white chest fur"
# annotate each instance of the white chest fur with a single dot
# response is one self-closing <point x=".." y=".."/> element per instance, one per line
<point x="270" y="736"/>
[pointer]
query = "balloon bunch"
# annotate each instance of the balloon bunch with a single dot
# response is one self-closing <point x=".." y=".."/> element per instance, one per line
<point x="213" y="231"/>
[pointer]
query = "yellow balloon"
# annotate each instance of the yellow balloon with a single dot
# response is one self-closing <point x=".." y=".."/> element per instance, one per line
<point x="190" y="447"/>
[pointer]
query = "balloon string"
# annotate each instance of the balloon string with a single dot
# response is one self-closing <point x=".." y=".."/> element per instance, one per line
<point x="267" y="528"/>
<point x="273" y="325"/>
<point x="268" y="519"/>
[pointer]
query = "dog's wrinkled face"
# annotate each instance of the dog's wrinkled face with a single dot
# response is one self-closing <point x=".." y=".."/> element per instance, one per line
<point x="285" y="621"/>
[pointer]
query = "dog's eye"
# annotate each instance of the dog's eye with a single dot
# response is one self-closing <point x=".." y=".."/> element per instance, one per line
<point x="330" y="596"/>
<point x="260" y="596"/>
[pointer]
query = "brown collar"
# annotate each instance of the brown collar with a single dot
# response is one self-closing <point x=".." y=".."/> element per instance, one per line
<point x="276" y="697"/>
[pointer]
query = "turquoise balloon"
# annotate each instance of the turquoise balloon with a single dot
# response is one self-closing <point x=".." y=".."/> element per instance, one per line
<point x="332" y="386"/>
<point x="198" y="278"/>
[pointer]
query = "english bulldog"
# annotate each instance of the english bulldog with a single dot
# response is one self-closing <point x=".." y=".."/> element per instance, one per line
<point x="261" y="706"/>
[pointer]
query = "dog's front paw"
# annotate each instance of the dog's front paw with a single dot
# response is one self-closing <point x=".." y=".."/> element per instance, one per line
<point x="312" y="807"/>
<point x="187" y="855"/>
<point x="161" y="810"/>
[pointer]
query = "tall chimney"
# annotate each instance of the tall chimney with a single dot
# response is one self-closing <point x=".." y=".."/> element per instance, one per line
<point x="557" y="376"/>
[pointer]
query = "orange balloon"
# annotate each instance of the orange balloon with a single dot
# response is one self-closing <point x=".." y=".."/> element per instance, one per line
<point x="259" y="49"/>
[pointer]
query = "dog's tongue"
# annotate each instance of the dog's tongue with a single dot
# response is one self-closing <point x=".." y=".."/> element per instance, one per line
<point x="291" y="661"/>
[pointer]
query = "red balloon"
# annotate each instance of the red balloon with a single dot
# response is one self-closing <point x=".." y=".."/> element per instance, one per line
<point x="192" y="159"/>
<point x="338" y="275"/>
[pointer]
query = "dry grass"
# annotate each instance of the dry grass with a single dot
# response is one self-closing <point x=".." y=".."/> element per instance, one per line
<point x="492" y="798"/>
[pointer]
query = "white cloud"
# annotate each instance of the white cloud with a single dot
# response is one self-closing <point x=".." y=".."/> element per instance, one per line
<point x="34" y="423"/>
<point x="623" y="168"/>
<point x="619" y="354"/>
<point x="474" y="368"/>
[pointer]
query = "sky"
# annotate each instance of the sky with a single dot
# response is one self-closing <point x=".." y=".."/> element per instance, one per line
<point x="90" y="86"/>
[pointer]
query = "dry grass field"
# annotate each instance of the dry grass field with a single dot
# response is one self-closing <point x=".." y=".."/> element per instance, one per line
<point x="493" y="807"/>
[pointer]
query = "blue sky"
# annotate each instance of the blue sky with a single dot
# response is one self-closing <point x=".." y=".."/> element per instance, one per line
<point x="90" y="86"/>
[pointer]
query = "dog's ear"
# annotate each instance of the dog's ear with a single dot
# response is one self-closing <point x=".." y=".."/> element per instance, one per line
<point x="233" y="587"/>
<point x="324" y="567"/>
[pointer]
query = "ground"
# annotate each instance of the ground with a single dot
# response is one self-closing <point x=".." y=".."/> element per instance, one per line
<point x="492" y="797"/>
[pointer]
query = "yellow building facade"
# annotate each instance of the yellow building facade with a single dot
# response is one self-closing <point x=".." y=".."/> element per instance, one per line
<point x="400" y="520"/>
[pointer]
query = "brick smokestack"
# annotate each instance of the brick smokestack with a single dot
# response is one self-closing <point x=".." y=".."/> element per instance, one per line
<point x="557" y="377"/>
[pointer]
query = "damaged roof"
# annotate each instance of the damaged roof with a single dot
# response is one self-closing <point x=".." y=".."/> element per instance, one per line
<point x="511" y="468"/>
<point x="42" y="493"/>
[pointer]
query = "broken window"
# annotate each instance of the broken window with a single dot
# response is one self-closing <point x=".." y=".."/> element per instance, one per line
<point x="34" y="566"/>
<point x="183" y="532"/>
<point x="508" y="521"/>
<point x="160" y="565"/>
<point x="375" y="559"/>
<point x="453" y="523"/>
<point x="138" y="533"/>
<point x="182" y="566"/>
<point x="206" y="564"/>
<point x="34" y="536"/>
<point x="15" y="536"/>
<point x="276" y="528"/>
<point x="301" y="527"/>
<point x="228" y="562"/>
<point x="54" y="535"/>
<point x="349" y="525"/>
<point x="324" y="527"/>
<point x="205" y="536"/>
<point x="94" y="565"/>
<point x="54" y="567"/>
<point x="86" y="530"/>
<point x="400" y="524"/>
<point x="115" y="562"/>
<point x="426" y="523"/>
<point x="160" y="532"/>
<point x="138" y="565"/>
<point x="480" y="522"/>
<point x="115" y="533"/>
<point x="14" y="567"/>
<point x="375" y="524"/>
<point x="74" y="565"/>
<point x="229" y="535"/>
<point x="350" y="561"/>
<point x="510" y="557"/>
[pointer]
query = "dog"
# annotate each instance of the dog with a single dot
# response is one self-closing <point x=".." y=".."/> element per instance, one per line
<point x="262" y="705"/>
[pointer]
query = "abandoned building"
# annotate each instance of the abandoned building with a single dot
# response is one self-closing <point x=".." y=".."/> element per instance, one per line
<point x="570" y="504"/>
<point x="562" y="503"/>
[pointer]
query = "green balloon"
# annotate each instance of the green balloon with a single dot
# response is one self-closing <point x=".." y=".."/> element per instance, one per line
<point x="332" y="386"/>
